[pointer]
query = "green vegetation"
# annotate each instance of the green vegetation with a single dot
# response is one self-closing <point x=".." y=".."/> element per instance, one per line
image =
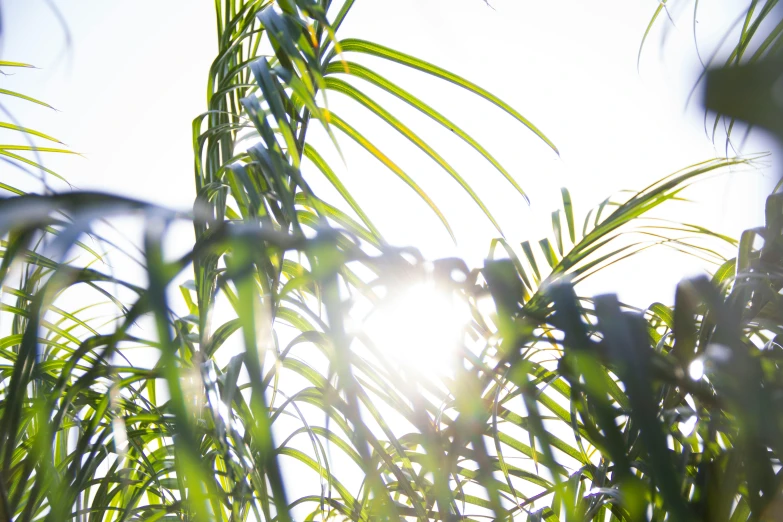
<point x="563" y="408"/>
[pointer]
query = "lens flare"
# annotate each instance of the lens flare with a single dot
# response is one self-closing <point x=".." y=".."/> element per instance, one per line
<point x="696" y="369"/>
<point x="420" y="326"/>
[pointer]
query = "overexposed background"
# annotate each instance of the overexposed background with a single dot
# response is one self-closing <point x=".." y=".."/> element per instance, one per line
<point x="129" y="77"/>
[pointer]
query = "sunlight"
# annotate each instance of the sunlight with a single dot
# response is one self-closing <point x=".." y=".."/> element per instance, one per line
<point x="696" y="369"/>
<point x="420" y="327"/>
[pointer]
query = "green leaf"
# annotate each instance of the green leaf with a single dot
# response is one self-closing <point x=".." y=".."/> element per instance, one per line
<point x="24" y="97"/>
<point x="353" y="93"/>
<point x="531" y="259"/>
<point x="363" y="46"/>
<point x="569" y="212"/>
<point x="366" y="74"/>
<point x="343" y="126"/>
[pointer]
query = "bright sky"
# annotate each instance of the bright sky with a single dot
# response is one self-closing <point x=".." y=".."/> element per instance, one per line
<point x="134" y="77"/>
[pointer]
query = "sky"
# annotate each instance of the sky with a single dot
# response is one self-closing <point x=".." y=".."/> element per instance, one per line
<point x="128" y="78"/>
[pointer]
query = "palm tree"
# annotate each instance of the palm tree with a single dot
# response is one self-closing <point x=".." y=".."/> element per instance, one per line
<point x="547" y="418"/>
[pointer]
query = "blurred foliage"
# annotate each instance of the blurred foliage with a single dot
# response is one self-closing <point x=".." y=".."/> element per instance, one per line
<point x="683" y="404"/>
<point x="740" y="76"/>
<point x="562" y="407"/>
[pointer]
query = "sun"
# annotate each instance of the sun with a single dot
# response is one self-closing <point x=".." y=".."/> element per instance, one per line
<point x="420" y="327"/>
